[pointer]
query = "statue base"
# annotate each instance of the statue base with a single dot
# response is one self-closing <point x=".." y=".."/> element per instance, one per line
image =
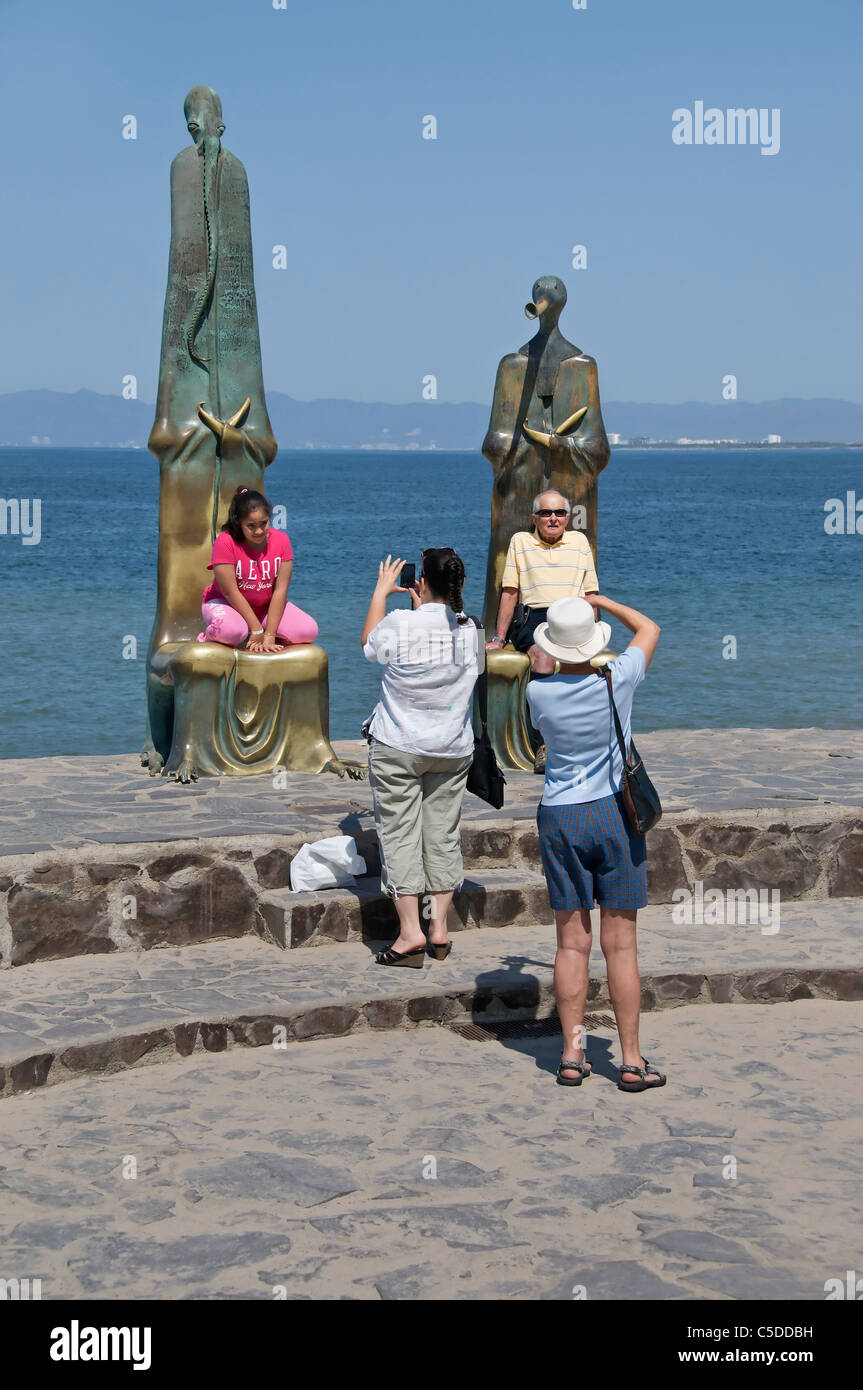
<point x="508" y="719"/>
<point x="215" y="710"/>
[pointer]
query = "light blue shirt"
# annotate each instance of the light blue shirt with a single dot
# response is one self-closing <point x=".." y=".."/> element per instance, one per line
<point x="573" y="716"/>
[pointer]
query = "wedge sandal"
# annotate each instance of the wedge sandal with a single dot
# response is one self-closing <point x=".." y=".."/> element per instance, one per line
<point x="439" y="950"/>
<point x="413" y="959"/>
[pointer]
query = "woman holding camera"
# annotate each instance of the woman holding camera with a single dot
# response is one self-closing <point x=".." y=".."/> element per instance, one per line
<point x="421" y="744"/>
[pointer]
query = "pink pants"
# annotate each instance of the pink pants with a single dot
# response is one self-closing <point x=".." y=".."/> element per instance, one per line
<point x="224" y="624"/>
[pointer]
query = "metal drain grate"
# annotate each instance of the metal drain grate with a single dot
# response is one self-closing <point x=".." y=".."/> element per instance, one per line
<point x="526" y="1028"/>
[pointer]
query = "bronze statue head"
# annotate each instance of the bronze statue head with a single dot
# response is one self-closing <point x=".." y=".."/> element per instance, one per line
<point x="203" y="111"/>
<point x="547" y="301"/>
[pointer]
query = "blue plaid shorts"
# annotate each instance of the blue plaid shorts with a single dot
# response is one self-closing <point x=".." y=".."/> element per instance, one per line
<point x="588" y="851"/>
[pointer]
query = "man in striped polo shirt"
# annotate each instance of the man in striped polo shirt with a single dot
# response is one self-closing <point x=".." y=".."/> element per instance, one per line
<point x="542" y="565"/>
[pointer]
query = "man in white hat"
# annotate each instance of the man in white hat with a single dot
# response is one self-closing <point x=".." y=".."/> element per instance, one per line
<point x="589" y="852"/>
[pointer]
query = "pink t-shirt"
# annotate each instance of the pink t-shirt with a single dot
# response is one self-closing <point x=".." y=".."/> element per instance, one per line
<point x="256" y="570"/>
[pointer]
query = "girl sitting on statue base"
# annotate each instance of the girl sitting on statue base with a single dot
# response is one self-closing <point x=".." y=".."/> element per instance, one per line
<point x="252" y="563"/>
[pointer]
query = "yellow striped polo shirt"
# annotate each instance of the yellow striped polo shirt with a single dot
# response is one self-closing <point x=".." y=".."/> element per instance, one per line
<point x="542" y="572"/>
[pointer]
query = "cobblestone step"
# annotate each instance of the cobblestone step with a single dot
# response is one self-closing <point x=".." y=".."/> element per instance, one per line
<point x="102" y="1014"/>
<point x="488" y="898"/>
<point x="97" y="900"/>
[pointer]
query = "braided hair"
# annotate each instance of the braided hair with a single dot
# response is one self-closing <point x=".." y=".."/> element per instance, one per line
<point x="443" y="571"/>
<point x="244" y="501"/>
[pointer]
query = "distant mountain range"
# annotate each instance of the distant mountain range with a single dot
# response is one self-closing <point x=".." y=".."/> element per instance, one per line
<point x="88" y="418"/>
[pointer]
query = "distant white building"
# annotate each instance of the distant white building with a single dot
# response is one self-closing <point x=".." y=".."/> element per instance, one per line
<point x="772" y="439"/>
<point x="614" y="439"/>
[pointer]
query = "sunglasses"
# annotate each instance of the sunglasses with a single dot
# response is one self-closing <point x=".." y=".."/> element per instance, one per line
<point x="546" y="512"/>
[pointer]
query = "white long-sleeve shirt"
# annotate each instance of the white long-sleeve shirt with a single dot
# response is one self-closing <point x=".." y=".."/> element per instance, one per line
<point x="430" y="664"/>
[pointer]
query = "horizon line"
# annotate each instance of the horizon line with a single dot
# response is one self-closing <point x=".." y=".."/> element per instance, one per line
<point x="350" y="400"/>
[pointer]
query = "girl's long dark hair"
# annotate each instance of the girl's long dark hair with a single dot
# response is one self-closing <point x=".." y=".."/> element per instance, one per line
<point x="443" y="571"/>
<point x="244" y="500"/>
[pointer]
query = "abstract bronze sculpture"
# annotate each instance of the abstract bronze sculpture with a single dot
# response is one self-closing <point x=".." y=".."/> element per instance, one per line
<point x="212" y="708"/>
<point x="545" y="432"/>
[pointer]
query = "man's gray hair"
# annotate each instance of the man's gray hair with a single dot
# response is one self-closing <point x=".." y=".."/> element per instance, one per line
<point x="548" y="491"/>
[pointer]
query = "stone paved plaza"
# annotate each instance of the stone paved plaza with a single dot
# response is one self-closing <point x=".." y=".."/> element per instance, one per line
<point x="46" y="802"/>
<point x="408" y="1140"/>
<point x="310" y="1170"/>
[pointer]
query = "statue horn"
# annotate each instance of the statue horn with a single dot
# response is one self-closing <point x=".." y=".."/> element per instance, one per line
<point x="215" y="425"/>
<point x="572" y="420"/>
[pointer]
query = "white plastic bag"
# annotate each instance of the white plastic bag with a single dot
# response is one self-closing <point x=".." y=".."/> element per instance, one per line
<point x="328" y="863"/>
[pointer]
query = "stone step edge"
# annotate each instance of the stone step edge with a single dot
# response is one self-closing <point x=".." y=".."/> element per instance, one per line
<point x="808" y="817"/>
<point x="439" y="1006"/>
<point x="482" y="846"/>
<point x="488" y="899"/>
<point x="799" y="852"/>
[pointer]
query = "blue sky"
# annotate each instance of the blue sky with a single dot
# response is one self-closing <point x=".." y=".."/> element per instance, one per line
<point x="409" y="256"/>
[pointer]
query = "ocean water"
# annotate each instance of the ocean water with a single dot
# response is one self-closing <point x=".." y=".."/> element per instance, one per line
<point x="712" y="544"/>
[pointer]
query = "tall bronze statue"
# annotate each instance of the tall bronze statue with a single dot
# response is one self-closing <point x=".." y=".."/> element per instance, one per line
<point x="545" y="431"/>
<point x="213" y="708"/>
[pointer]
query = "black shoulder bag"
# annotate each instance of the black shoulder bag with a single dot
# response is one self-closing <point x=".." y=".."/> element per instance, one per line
<point x="485" y="778"/>
<point x="640" y="799"/>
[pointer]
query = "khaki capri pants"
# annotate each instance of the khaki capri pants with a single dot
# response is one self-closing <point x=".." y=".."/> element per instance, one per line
<point x="418" y="802"/>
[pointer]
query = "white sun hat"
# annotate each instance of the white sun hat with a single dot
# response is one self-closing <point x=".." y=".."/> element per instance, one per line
<point x="572" y="633"/>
